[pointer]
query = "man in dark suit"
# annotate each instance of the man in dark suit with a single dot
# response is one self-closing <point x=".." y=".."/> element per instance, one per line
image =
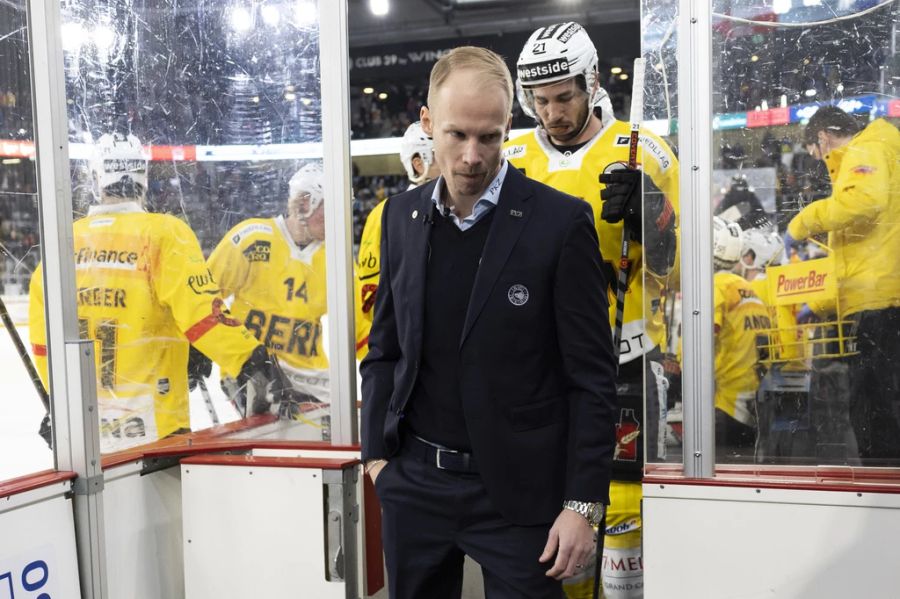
<point x="488" y="393"/>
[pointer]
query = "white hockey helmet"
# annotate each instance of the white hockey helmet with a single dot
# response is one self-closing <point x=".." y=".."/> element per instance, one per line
<point x="553" y="54"/>
<point x="119" y="165"/>
<point x="727" y="244"/>
<point x="307" y="180"/>
<point x="765" y="248"/>
<point x="416" y="143"/>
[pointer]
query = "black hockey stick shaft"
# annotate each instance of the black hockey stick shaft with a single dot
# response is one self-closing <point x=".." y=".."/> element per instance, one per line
<point x="598" y="561"/>
<point x="637" y="111"/>
<point x="23" y="355"/>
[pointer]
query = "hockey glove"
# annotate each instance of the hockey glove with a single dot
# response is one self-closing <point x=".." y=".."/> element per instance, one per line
<point x="295" y="403"/>
<point x="261" y="381"/>
<point x="622" y="197"/>
<point x="199" y="367"/>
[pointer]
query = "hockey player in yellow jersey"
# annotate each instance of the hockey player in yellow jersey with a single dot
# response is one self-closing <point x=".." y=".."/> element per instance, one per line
<point x="761" y="248"/>
<point x="143" y="294"/>
<point x="275" y="270"/>
<point x="576" y="142"/>
<point x="741" y="324"/>
<point x="417" y="156"/>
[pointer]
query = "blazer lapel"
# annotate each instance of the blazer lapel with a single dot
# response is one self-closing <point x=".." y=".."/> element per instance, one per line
<point x="416" y="250"/>
<point x="510" y="217"/>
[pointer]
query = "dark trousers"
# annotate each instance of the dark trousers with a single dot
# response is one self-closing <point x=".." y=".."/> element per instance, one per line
<point x="875" y="386"/>
<point x="432" y="518"/>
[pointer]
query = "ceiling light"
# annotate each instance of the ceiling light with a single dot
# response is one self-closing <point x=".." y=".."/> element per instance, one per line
<point x="810" y="93"/>
<point x="623" y="76"/>
<point x="615" y="70"/>
<point x="382" y="96"/>
<point x="779" y="7"/>
<point x="305" y="13"/>
<point x="368" y="90"/>
<point x="72" y="35"/>
<point x="754" y="58"/>
<point x="239" y="19"/>
<point x="104" y="37"/>
<point x="270" y="15"/>
<point x="290" y="96"/>
<point x="379" y="8"/>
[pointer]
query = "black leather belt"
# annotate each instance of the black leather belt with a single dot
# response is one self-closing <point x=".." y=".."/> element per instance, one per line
<point x="441" y="457"/>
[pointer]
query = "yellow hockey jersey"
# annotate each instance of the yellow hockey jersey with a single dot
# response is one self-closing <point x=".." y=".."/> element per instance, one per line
<point x="278" y="288"/>
<point x="577" y="174"/>
<point x="143" y="292"/>
<point x="784" y="319"/>
<point x="740" y="317"/>
<point x="368" y="272"/>
<point x="862" y="218"/>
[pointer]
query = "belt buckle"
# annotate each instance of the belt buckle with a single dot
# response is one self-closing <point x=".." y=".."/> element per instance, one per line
<point x="438" y="457"/>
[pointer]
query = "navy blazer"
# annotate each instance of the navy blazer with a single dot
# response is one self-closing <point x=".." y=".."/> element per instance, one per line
<point x="537" y="372"/>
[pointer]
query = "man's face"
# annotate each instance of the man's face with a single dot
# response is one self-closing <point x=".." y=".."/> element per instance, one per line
<point x="468" y="122"/>
<point x="305" y="229"/>
<point x="562" y="109"/>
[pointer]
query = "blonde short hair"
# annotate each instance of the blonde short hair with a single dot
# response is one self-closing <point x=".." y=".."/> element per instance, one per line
<point x="487" y="64"/>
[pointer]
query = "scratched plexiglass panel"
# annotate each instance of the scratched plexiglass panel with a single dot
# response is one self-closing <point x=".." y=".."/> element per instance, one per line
<point x="804" y="194"/>
<point x="195" y="137"/>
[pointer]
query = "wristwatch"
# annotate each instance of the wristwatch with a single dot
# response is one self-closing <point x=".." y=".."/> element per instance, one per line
<point x="592" y="512"/>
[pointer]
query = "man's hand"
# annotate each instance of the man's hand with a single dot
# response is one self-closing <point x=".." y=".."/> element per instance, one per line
<point x="805" y="315"/>
<point x="374" y="467"/>
<point x="790" y="244"/>
<point x="622" y="196"/>
<point x="199" y="366"/>
<point x="572" y="540"/>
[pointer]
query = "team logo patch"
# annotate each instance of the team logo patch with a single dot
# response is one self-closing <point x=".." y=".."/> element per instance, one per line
<point x="251" y="228"/>
<point x="518" y="295"/>
<point x="258" y="251"/>
<point x="514" y="152"/>
<point x="162" y="386"/>
<point x="622" y="140"/>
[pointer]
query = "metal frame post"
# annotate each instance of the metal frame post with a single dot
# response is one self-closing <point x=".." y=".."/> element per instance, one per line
<point x="334" y="45"/>
<point x="71" y="361"/>
<point x="695" y="146"/>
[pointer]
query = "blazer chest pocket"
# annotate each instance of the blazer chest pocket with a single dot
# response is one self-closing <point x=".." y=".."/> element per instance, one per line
<point x="543" y="412"/>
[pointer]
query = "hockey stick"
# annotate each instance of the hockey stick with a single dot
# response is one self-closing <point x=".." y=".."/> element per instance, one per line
<point x="598" y="561"/>
<point x="207" y="399"/>
<point x="23" y="355"/>
<point x="637" y="115"/>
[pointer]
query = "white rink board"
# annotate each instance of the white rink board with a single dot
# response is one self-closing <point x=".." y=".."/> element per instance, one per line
<point x="254" y="535"/>
<point x="39" y="533"/>
<point x="142" y="522"/>
<point x="739" y="543"/>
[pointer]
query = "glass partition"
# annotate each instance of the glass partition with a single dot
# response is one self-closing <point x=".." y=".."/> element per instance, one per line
<point x="196" y="145"/>
<point x="805" y="198"/>
<point x="22" y="410"/>
<point x="661" y="235"/>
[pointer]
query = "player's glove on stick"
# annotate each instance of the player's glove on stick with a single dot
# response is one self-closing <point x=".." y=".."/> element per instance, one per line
<point x="622" y="197"/>
<point x="261" y="381"/>
<point x="199" y="366"/>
